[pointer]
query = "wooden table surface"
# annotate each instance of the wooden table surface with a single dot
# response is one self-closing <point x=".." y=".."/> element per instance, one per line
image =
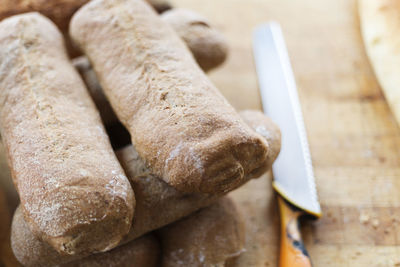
<point x="353" y="137"/>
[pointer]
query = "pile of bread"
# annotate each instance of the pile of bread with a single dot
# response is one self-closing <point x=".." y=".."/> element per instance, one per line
<point x="123" y="156"/>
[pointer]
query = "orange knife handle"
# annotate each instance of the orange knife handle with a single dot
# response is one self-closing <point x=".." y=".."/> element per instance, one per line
<point x="293" y="252"/>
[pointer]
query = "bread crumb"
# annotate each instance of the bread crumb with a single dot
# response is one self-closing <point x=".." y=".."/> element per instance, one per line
<point x="375" y="223"/>
<point x="364" y="218"/>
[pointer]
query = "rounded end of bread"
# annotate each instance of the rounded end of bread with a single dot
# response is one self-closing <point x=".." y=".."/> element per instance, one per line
<point x="97" y="237"/>
<point x="80" y="220"/>
<point x="208" y="45"/>
<point x="218" y="164"/>
<point x="264" y="126"/>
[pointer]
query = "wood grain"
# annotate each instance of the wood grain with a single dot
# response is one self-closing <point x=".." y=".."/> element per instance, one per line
<point x="353" y="137"/>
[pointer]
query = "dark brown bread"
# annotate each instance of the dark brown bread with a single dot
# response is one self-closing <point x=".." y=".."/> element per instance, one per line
<point x="213" y="236"/>
<point x="71" y="186"/>
<point x="158" y="204"/>
<point x="208" y="46"/>
<point x="180" y="124"/>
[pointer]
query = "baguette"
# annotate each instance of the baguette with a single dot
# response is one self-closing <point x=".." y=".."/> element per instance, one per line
<point x="208" y="46"/>
<point x="143" y="251"/>
<point x="180" y="124"/>
<point x="55" y="140"/>
<point x="213" y="236"/>
<point x="158" y="204"/>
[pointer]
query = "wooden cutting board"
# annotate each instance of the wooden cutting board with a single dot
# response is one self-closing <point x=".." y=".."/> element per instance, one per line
<point x="354" y="140"/>
<point x="353" y="137"/>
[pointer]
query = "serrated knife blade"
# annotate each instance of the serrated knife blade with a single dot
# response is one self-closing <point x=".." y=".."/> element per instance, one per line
<point x="293" y="172"/>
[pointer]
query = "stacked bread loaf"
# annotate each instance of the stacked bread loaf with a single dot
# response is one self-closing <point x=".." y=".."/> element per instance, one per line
<point x="85" y="204"/>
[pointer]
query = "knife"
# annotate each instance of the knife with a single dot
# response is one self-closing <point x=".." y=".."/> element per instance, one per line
<point x="293" y="172"/>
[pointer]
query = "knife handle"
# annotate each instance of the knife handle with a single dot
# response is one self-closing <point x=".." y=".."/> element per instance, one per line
<point x="293" y="252"/>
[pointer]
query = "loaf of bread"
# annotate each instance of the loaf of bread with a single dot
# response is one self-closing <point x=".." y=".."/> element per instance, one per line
<point x="180" y="124"/>
<point x="73" y="191"/>
<point x="213" y="236"/>
<point x="208" y="46"/>
<point x="144" y="251"/>
<point x="158" y="204"/>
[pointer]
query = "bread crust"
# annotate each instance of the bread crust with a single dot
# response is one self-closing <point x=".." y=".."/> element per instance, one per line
<point x="60" y="12"/>
<point x="269" y="130"/>
<point x="142" y="252"/>
<point x="180" y="124"/>
<point x="213" y="236"/>
<point x="158" y="204"/>
<point x="208" y="45"/>
<point x="55" y="141"/>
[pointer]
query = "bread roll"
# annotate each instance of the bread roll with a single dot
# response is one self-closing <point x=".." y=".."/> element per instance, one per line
<point x="180" y="124"/>
<point x="213" y="236"/>
<point x="208" y="46"/>
<point x="158" y="204"/>
<point x="55" y="143"/>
